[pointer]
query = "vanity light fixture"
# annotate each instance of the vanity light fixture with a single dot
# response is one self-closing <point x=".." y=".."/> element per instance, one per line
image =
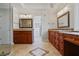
<point x="25" y="16"/>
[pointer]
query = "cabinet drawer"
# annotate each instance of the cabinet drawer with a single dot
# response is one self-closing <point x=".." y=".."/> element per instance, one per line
<point x="72" y="38"/>
<point x="76" y="38"/>
<point x="69" y="36"/>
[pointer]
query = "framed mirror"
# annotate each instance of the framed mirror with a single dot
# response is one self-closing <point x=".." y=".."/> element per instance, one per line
<point x="25" y="23"/>
<point x="63" y="20"/>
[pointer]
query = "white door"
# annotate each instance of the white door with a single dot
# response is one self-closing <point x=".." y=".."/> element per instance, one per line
<point x="37" y="29"/>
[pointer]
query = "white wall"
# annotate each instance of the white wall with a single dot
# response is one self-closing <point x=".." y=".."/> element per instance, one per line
<point x="52" y="19"/>
<point x="44" y="28"/>
<point x="48" y="22"/>
<point x="54" y="13"/>
<point x="76" y="16"/>
<point x="15" y="18"/>
<point x="70" y="8"/>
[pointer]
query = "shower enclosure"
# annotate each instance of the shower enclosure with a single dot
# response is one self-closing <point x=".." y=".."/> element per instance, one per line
<point x="5" y="28"/>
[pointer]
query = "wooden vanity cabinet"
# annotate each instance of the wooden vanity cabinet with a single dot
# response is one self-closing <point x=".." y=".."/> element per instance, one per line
<point x="72" y="38"/>
<point x="51" y="39"/>
<point x="29" y="36"/>
<point x="61" y="43"/>
<point x="66" y="44"/>
<point x="71" y="45"/>
<point x="56" y="39"/>
<point x="22" y="37"/>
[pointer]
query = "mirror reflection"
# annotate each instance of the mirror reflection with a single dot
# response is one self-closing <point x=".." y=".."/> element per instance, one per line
<point x="25" y="23"/>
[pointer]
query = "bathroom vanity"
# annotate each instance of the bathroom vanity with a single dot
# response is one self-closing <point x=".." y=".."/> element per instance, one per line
<point x="22" y="36"/>
<point x="67" y="43"/>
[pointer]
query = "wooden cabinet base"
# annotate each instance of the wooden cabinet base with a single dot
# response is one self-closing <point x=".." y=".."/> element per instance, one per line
<point x="66" y="44"/>
<point x="56" y="39"/>
<point x="70" y="49"/>
<point x="22" y="37"/>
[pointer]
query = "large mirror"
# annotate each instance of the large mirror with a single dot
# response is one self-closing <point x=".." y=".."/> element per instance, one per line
<point x="25" y="23"/>
<point x="63" y="20"/>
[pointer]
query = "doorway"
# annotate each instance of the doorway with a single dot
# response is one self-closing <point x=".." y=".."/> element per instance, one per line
<point x="37" y="29"/>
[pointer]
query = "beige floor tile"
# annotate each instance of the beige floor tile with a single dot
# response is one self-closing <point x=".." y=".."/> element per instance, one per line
<point x="24" y="49"/>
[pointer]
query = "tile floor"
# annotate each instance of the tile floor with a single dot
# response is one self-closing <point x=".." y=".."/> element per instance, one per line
<point x="5" y="49"/>
<point x="24" y="49"/>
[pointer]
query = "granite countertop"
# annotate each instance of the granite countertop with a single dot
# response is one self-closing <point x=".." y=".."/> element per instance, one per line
<point x="67" y="31"/>
<point x="23" y="29"/>
<point x="73" y="33"/>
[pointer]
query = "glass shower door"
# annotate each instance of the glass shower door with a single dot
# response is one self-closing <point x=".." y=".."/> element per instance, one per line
<point x="5" y="29"/>
<point x="37" y="30"/>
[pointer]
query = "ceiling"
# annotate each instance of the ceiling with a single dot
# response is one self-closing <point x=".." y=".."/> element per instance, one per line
<point x="24" y="7"/>
<point x="38" y="6"/>
<point x="35" y="7"/>
<point x="31" y="5"/>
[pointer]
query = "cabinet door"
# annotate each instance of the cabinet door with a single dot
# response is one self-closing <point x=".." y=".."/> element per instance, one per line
<point x="57" y="40"/>
<point x="61" y="43"/>
<point x="53" y="38"/>
<point x="16" y="36"/>
<point x="50" y="36"/>
<point x="29" y="37"/>
<point x="24" y="37"/>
